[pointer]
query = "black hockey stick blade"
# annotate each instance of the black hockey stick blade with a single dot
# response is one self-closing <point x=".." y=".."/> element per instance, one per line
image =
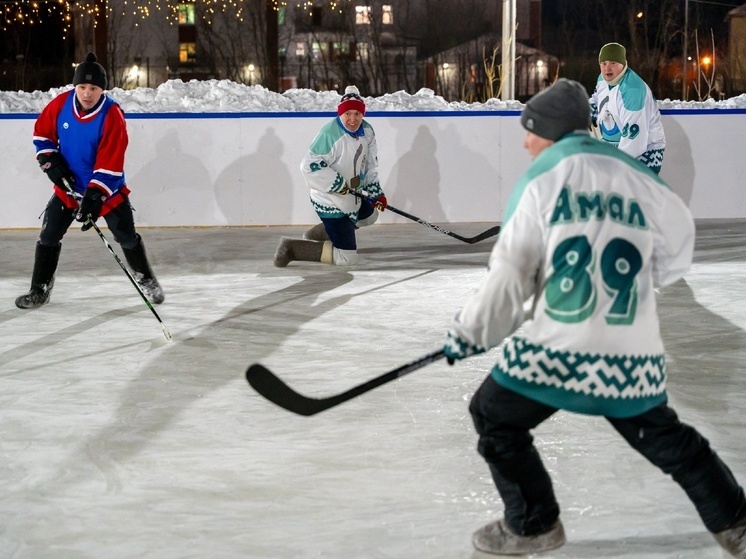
<point x="269" y="385"/>
<point x="491" y="232"/>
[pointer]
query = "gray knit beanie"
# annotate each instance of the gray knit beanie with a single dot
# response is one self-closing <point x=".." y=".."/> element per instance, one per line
<point x="561" y="108"/>
<point x="90" y="71"/>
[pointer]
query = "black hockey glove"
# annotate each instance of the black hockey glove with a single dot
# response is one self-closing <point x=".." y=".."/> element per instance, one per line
<point x="56" y="168"/>
<point x="90" y="207"/>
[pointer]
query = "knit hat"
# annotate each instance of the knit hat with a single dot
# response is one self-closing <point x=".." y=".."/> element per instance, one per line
<point x="90" y="71"/>
<point x="613" y="52"/>
<point x="351" y="101"/>
<point x="561" y="108"/>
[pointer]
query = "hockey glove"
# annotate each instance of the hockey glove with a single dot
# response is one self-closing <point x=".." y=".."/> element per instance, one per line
<point x="381" y="203"/>
<point x="56" y="168"/>
<point x="455" y="348"/>
<point x="90" y="207"/>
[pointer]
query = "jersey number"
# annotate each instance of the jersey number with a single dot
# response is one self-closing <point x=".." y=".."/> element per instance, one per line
<point x="570" y="293"/>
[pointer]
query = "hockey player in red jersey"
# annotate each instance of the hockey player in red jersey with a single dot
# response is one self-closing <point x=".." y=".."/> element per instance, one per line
<point x="81" y="139"/>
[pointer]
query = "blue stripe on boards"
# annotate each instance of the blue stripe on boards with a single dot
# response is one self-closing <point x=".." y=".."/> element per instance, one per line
<point x="369" y="114"/>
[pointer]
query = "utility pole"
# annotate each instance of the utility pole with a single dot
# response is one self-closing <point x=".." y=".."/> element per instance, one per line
<point x="507" y="69"/>
<point x="271" y="72"/>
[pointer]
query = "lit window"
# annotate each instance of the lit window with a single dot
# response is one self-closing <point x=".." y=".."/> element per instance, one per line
<point x="300" y="49"/>
<point x="186" y="14"/>
<point x="388" y="15"/>
<point x="362" y="15"/>
<point x="281" y="15"/>
<point x="187" y="52"/>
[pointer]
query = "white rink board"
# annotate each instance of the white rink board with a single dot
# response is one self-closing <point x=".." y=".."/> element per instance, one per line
<point x="242" y="169"/>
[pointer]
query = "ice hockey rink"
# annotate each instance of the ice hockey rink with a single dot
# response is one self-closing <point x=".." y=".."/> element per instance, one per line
<point x="117" y="443"/>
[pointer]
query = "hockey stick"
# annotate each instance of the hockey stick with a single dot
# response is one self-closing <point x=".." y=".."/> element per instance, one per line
<point x="491" y="232"/>
<point x="134" y="282"/>
<point x="269" y="385"/>
<point x="121" y="264"/>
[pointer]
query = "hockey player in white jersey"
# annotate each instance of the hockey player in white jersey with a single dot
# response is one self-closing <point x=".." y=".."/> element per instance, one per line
<point x="588" y="233"/>
<point x="624" y="111"/>
<point x="342" y="159"/>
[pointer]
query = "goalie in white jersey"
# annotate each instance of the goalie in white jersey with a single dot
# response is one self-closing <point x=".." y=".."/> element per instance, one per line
<point x="589" y="232"/>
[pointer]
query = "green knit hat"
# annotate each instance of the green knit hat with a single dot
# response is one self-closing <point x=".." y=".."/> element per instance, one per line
<point x="613" y="52"/>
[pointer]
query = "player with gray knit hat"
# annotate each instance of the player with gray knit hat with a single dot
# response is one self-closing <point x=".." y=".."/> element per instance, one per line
<point x="568" y="303"/>
<point x="90" y="71"/>
<point x="558" y="110"/>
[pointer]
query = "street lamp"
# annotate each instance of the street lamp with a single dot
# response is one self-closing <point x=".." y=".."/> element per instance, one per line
<point x="134" y="74"/>
<point x="251" y="74"/>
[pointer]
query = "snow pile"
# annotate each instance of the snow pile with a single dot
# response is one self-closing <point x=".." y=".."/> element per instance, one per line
<point x="227" y="96"/>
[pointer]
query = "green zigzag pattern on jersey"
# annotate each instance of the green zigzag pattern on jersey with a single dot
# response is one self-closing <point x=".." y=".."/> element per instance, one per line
<point x="642" y="375"/>
<point x="324" y="210"/>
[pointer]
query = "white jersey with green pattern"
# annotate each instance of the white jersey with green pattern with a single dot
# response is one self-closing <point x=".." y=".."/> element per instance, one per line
<point x="628" y="117"/>
<point x="335" y="156"/>
<point x="588" y="233"/>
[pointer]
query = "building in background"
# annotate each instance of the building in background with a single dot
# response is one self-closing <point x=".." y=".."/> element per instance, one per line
<point x="380" y="45"/>
<point x="737" y="49"/>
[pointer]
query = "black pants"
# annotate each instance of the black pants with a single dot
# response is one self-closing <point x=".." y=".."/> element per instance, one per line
<point x="58" y="218"/>
<point x="504" y="418"/>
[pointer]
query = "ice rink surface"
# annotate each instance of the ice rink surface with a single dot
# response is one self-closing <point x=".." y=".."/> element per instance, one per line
<point x="118" y="444"/>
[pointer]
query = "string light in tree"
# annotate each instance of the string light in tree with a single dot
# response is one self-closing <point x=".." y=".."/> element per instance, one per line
<point x="34" y="12"/>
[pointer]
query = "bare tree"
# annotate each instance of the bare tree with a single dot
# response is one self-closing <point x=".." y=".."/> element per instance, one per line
<point x="123" y="41"/>
<point x="653" y="28"/>
<point x="223" y="40"/>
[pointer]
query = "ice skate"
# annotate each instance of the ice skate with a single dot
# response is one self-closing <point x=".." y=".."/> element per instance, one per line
<point x="498" y="539"/>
